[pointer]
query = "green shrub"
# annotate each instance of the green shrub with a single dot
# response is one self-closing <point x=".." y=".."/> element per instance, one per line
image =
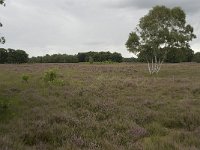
<point x="50" y="75"/>
<point x="59" y="82"/>
<point x="25" y="78"/>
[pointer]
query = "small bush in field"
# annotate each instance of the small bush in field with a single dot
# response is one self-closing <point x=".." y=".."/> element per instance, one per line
<point x="25" y="78"/>
<point x="50" y="75"/>
<point x="59" y="82"/>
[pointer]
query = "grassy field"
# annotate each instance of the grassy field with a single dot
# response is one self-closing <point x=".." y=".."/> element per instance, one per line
<point x="113" y="106"/>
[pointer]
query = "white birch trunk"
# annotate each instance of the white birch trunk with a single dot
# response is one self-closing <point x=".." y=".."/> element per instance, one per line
<point x="155" y="65"/>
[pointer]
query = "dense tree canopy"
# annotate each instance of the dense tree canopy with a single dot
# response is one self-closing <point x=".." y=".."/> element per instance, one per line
<point x="13" y="56"/>
<point x="197" y="57"/>
<point x="179" y="55"/>
<point x="81" y="57"/>
<point x="100" y="56"/>
<point x="3" y="55"/>
<point x="173" y="56"/>
<point x="160" y="31"/>
<point x="55" y="58"/>
<point x="130" y="60"/>
<point x="2" y="2"/>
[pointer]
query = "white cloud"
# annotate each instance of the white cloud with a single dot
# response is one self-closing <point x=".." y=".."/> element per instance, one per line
<point x="72" y="26"/>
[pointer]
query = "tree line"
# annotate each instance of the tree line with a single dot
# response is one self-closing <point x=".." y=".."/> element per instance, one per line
<point x="20" y="56"/>
<point x="81" y="57"/>
<point x="55" y="58"/>
<point x="100" y="57"/>
<point x="13" y="56"/>
<point x="176" y="55"/>
<point x="173" y="56"/>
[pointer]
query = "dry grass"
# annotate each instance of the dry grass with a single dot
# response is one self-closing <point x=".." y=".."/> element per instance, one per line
<point x="116" y="106"/>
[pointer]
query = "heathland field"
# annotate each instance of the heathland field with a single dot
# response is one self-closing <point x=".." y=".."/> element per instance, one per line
<point x="99" y="106"/>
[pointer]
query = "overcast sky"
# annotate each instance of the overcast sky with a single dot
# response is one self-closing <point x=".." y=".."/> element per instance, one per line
<point x="72" y="26"/>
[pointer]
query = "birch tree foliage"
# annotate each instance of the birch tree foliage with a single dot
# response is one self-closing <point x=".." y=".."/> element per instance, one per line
<point x="2" y="2"/>
<point x="159" y="31"/>
<point x="2" y="39"/>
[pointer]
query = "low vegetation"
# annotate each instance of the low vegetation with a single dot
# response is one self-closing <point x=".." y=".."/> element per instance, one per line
<point x="98" y="106"/>
<point x="25" y="78"/>
<point x="50" y="75"/>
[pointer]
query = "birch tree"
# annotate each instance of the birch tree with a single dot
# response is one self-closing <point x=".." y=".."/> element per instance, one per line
<point x="161" y="30"/>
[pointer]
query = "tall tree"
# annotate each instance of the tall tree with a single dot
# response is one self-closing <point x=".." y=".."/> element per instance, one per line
<point x="3" y="55"/>
<point x="161" y="30"/>
<point x="2" y="39"/>
<point x="21" y="56"/>
<point x="197" y="57"/>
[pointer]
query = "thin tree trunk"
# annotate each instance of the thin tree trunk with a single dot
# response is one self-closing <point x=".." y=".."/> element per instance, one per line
<point x="155" y="66"/>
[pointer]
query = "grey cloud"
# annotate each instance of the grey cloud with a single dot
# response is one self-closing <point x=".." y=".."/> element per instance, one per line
<point x="72" y="26"/>
<point x="190" y="6"/>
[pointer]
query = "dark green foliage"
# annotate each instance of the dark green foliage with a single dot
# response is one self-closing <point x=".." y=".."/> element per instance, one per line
<point x="13" y="56"/>
<point x="17" y="56"/>
<point x="116" y="57"/>
<point x="55" y="58"/>
<point x="142" y="57"/>
<point x="133" y="42"/>
<point x="173" y="55"/>
<point x="38" y="59"/>
<point x="132" y="59"/>
<point x="188" y="55"/>
<point x="81" y="57"/>
<point x="100" y="56"/>
<point x="3" y="55"/>
<point x="2" y="2"/>
<point x="20" y="56"/>
<point x="197" y="57"/>
<point x="179" y="55"/>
